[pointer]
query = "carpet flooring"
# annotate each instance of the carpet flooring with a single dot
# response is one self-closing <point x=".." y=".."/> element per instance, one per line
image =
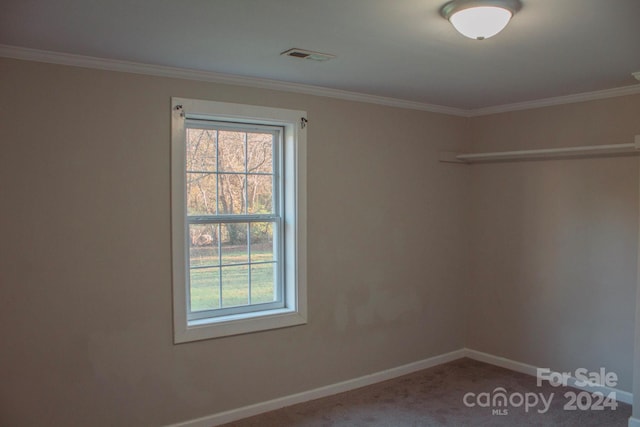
<point x="435" y="397"/>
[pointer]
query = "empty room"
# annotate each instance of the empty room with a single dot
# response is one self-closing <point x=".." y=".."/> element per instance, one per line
<point x="319" y="213"/>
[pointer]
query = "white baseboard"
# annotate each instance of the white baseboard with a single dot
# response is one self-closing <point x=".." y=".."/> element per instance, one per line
<point x="621" y="396"/>
<point x="501" y="361"/>
<point x="258" y="408"/>
<point x="270" y="405"/>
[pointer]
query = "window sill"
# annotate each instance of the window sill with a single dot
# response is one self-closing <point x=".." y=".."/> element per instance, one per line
<point x="237" y="324"/>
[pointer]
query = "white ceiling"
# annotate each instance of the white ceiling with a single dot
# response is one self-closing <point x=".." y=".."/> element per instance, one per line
<point x="393" y="48"/>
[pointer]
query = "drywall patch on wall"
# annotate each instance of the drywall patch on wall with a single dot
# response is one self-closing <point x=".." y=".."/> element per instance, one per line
<point x="341" y="313"/>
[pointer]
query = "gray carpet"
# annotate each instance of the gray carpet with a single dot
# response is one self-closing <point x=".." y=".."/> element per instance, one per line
<point x="434" y="397"/>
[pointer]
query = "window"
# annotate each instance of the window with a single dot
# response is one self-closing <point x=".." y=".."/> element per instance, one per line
<point x="238" y="218"/>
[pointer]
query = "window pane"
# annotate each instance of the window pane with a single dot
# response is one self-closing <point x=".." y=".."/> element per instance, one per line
<point x="234" y="243"/>
<point x="201" y="150"/>
<point x="259" y="194"/>
<point x="235" y="285"/>
<point x="231" y="193"/>
<point x="262" y="241"/>
<point x="201" y="194"/>
<point x="205" y="288"/>
<point x="231" y="156"/>
<point x="260" y="152"/>
<point x="203" y="244"/>
<point x="263" y="283"/>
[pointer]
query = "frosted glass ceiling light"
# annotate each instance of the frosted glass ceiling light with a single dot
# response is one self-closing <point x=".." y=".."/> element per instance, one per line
<point x="480" y="19"/>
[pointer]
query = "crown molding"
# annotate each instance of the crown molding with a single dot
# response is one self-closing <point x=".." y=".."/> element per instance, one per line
<point x="16" y="52"/>
<point x="557" y="100"/>
<point x="37" y="55"/>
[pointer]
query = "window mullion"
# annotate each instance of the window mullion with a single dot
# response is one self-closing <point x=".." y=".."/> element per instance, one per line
<point x="245" y="195"/>
<point x="246" y="178"/>
<point x="219" y="265"/>
<point x="249" y="257"/>
<point x="217" y="169"/>
<point x="277" y="257"/>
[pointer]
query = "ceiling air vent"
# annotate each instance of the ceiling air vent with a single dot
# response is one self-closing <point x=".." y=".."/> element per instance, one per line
<point x="308" y="54"/>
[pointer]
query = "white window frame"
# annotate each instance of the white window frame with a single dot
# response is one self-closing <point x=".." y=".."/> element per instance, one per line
<point x="293" y="213"/>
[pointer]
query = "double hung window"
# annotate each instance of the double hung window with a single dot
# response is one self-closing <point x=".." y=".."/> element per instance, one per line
<point x="233" y="214"/>
<point x="237" y="218"/>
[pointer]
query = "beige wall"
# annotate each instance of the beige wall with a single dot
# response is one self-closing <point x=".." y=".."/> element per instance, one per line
<point x="555" y="243"/>
<point x="85" y="295"/>
<point x="408" y="258"/>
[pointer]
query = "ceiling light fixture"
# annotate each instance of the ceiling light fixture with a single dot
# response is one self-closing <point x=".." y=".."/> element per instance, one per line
<point x="480" y="19"/>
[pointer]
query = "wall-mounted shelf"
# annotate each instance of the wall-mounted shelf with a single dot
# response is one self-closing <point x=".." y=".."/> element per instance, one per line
<point x="549" y="153"/>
